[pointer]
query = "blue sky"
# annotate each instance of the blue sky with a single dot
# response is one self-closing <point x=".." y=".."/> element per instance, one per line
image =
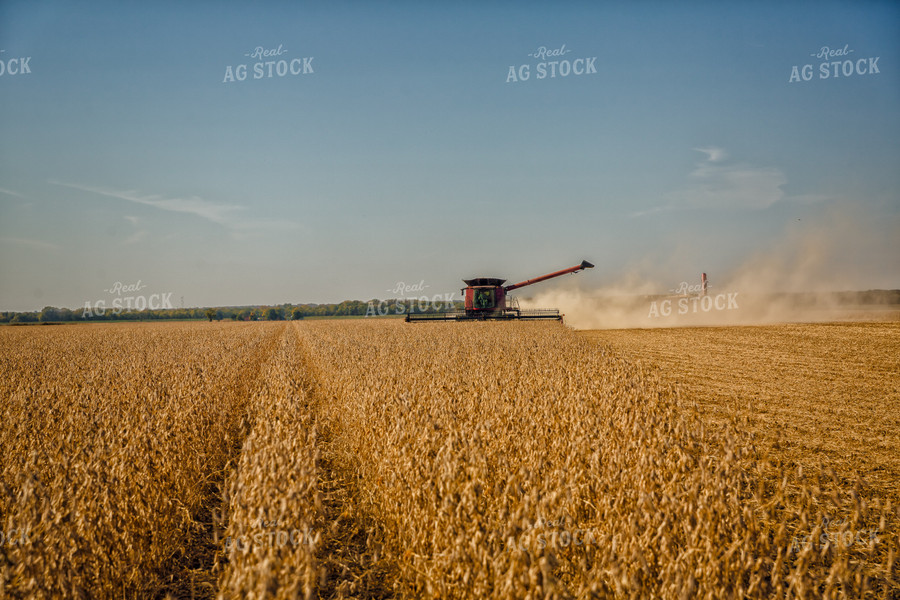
<point x="406" y="155"/>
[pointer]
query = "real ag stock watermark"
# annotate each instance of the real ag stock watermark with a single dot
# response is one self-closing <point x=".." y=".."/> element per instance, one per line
<point x="551" y="534"/>
<point x="15" y="65"/>
<point x="270" y="534"/>
<point x="14" y="537"/>
<point x="406" y="299"/>
<point x="836" y="62"/>
<point x="686" y="303"/>
<point x="270" y="62"/>
<point x="120" y="303"/>
<point x="554" y="62"/>
<point x="835" y="534"/>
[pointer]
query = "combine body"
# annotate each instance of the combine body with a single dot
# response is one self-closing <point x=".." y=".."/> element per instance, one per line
<point x="486" y="298"/>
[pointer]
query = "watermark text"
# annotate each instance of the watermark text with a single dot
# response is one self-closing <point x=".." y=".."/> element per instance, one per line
<point x="551" y="69"/>
<point x="844" y="66"/>
<point x="120" y="303"/>
<point x="269" y="64"/>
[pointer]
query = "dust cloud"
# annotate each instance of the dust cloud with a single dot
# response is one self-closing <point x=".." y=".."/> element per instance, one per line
<point x="821" y="271"/>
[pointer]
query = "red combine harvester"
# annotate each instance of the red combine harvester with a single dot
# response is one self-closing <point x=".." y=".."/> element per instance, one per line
<point x="486" y="299"/>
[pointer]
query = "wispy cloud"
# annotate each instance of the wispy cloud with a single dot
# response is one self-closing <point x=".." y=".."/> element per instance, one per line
<point x="217" y="213"/>
<point x="713" y="154"/>
<point x="135" y="237"/>
<point x="11" y="193"/>
<point x="653" y="211"/>
<point x="27" y="243"/>
<point x="740" y="186"/>
<point x="229" y="216"/>
<point x="716" y="183"/>
<point x="139" y="234"/>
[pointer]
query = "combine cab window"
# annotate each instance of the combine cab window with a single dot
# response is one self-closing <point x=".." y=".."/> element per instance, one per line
<point x="484" y="298"/>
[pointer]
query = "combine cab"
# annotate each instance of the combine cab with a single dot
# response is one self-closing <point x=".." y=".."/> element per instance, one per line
<point x="486" y="299"/>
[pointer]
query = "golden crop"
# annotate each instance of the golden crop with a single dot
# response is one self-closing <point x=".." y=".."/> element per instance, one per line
<point x="816" y="392"/>
<point x="113" y="442"/>
<point x="381" y="459"/>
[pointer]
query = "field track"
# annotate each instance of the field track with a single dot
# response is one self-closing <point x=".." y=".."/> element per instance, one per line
<point x="375" y="459"/>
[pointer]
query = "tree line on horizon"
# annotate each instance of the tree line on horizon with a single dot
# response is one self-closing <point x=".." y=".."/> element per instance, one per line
<point x="281" y="312"/>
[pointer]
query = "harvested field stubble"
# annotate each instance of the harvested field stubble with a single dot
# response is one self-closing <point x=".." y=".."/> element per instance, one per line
<point x="376" y="458"/>
<point x="817" y="393"/>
